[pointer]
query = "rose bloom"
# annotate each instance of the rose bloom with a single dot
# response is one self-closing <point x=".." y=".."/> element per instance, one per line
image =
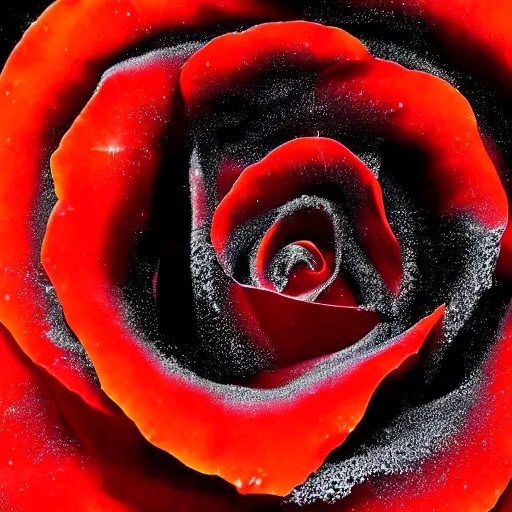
<point x="255" y="257"/>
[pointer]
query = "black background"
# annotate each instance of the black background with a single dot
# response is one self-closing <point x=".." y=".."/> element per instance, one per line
<point x="15" y="17"/>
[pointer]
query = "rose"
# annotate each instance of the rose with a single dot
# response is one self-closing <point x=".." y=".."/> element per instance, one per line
<point x="290" y="232"/>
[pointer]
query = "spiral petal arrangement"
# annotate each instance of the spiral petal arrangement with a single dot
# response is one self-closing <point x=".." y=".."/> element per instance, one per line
<point x="255" y="257"/>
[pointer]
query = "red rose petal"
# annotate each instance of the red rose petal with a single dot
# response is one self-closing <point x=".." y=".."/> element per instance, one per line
<point x="43" y="86"/>
<point x="106" y="167"/>
<point x="304" y="279"/>
<point x="460" y="178"/>
<point x="472" y="471"/>
<point x="505" y="502"/>
<point x="302" y="330"/>
<point x="60" y="454"/>
<point x="289" y="230"/>
<point x="282" y="376"/>
<point x="41" y="463"/>
<point x="295" y="44"/>
<point x="203" y="425"/>
<point x="287" y="172"/>
<point x="338" y="293"/>
<point x="476" y="31"/>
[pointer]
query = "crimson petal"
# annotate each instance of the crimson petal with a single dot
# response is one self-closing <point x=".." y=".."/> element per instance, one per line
<point x="302" y="330"/>
<point x="472" y="469"/>
<point x="381" y="97"/>
<point x="58" y="453"/>
<point x="295" y="44"/>
<point x="43" y="86"/>
<point x="287" y="172"/>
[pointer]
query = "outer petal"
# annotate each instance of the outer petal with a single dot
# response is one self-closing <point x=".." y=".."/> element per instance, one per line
<point x="106" y="168"/>
<point x="466" y="27"/>
<point x="381" y="97"/>
<point x="60" y="454"/>
<point x="43" y="86"/>
<point x="41" y="462"/>
<point x="472" y="472"/>
<point x="505" y="502"/>
<point x="298" y="45"/>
